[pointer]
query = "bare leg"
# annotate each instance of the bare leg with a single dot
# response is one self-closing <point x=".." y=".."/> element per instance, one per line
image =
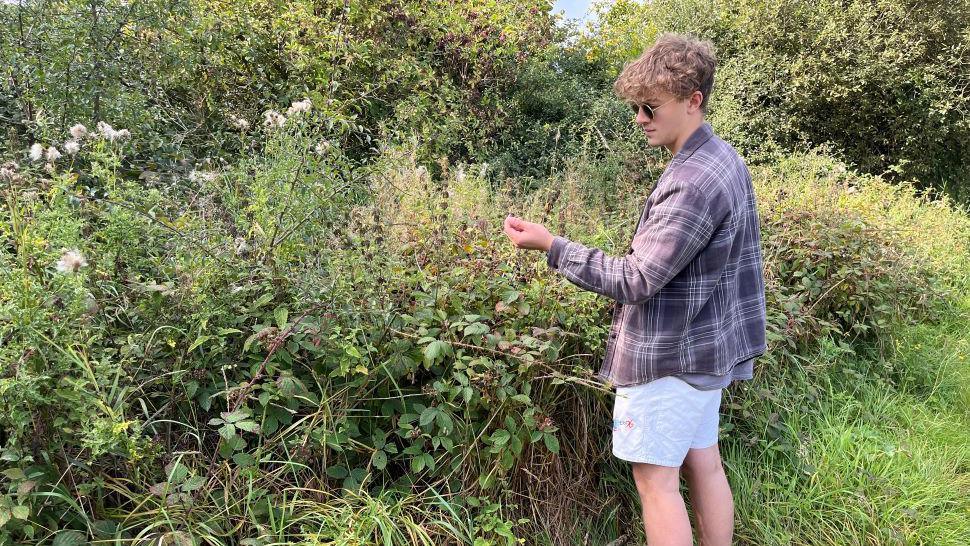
<point x="710" y="496"/>
<point x="665" y="518"/>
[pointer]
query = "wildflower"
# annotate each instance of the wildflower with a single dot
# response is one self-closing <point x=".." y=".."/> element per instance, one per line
<point x="240" y="123"/>
<point x="8" y="172"/>
<point x="202" y="176"/>
<point x="547" y="422"/>
<point x="71" y="261"/>
<point x="53" y="154"/>
<point x="71" y="147"/>
<point x="106" y="130"/>
<point x="109" y="132"/>
<point x="299" y="107"/>
<point x="79" y="131"/>
<point x="274" y="119"/>
<point x="37" y="152"/>
<point x="321" y="147"/>
<point x="242" y="247"/>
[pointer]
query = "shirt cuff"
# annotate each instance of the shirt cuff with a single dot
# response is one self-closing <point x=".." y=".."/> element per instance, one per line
<point x="554" y="254"/>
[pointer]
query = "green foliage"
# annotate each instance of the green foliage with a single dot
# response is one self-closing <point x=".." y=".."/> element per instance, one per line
<point x="884" y="83"/>
<point x="313" y="330"/>
<point x="191" y="69"/>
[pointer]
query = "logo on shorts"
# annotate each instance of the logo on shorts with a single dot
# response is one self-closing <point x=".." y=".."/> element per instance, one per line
<point x="623" y="424"/>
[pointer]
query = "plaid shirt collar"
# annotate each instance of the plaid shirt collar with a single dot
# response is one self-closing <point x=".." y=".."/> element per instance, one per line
<point x="696" y="139"/>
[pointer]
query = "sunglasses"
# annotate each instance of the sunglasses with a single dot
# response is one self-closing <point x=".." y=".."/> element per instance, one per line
<point x="647" y="109"/>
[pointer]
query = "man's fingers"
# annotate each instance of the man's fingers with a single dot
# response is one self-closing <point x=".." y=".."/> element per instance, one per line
<point x="508" y="222"/>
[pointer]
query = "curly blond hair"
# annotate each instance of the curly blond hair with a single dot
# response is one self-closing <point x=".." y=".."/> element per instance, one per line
<point x="676" y="64"/>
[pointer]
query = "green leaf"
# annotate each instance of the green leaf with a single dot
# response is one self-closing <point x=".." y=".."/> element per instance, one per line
<point x="510" y="295"/>
<point x="248" y="426"/>
<point x="227" y="447"/>
<point x="428" y="415"/>
<point x="338" y="472"/>
<point x="260" y="301"/>
<point x="243" y="459"/>
<point x="435" y="350"/>
<point x="270" y="424"/>
<point x="500" y="437"/>
<point x="69" y="538"/>
<point x="476" y="328"/>
<point x="193" y="483"/>
<point x="21" y="512"/>
<point x="234" y="416"/>
<point x="551" y="442"/>
<point x="249" y="341"/>
<point x="444" y="421"/>
<point x="15" y="474"/>
<point x="432" y="351"/>
<point x="379" y="459"/>
<point x="281" y="314"/>
<point x="199" y="341"/>
<point x="227" y="431"/>
<point x="417" y="463"/>
<point x="176" y="472"/>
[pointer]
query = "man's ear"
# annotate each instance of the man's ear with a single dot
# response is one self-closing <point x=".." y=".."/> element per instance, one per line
<point x="695" y="101"/>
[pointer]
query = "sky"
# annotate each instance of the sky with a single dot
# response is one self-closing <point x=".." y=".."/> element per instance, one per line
<point x="574" y="9"/>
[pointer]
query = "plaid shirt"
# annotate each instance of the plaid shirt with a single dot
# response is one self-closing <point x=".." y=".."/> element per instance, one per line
<point x="690" y="292"/>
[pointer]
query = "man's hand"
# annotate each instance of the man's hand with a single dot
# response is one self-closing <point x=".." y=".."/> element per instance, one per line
<point x="527" y="234"/>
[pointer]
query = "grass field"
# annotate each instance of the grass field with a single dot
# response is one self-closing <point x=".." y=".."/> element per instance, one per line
<point x="884" y="458"/>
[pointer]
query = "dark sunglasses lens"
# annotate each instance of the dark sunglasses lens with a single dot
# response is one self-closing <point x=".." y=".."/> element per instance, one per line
<point x="646" y="110"/>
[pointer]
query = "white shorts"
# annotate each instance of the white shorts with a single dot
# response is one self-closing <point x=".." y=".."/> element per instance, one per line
<point x="657" y="422"/>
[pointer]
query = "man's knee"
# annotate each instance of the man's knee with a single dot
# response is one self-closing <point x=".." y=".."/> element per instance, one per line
<point x="702" y="463"/>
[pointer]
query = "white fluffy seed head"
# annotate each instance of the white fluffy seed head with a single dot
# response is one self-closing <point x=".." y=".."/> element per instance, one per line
<point x="274" y="119"/>
<point x="79" y="131"/>
<point x="36" y="151"/>
<point x="106" y="130"/>
<point x="202" y="176"/>
<point x="71" y="261"/>
<point x="299" y="107"/>
<point x="240" y="123"/>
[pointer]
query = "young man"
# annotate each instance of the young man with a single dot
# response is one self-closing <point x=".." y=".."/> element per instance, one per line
<point x="690" y="309"/>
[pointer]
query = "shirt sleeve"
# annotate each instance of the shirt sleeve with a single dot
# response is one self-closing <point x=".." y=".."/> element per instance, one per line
<point x="677" y="228"/>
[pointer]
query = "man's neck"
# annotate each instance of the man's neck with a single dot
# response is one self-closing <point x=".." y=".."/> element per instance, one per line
<point x="689" y="129"/>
